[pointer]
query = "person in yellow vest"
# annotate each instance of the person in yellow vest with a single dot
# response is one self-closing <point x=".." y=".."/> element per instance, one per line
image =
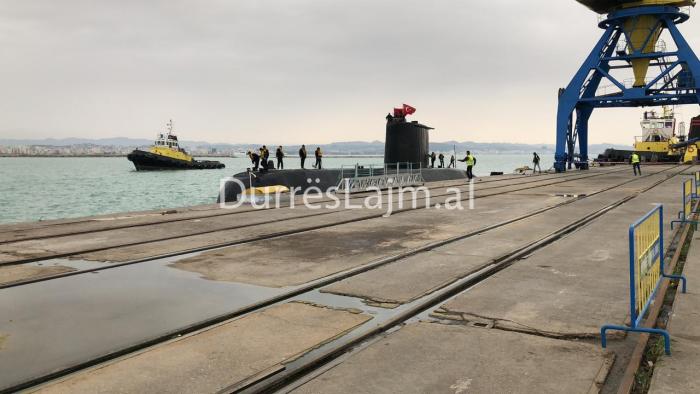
<point x="636" y="163"/>
<point x="263" y="158"/>
<point x="471" y="162"/>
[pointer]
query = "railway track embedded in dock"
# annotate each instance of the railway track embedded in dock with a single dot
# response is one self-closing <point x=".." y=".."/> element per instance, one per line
<point x="216" y="214"/>
<point x="492" y="191"/>
<point x="263" y="237"/>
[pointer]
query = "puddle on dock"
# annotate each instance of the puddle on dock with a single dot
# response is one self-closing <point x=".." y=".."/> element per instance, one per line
<point x="77" y="265"/>
<point x="342" y="302"/>
<point x="57" y="323"/>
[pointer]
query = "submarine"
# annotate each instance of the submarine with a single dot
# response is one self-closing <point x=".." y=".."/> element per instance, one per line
<point x="406" y="150"/>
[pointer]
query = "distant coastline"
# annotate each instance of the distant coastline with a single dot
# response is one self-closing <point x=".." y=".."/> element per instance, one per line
<point x="120" y="147"/>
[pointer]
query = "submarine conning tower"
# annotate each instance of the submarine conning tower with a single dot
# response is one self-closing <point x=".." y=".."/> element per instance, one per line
<point x="617" y="72"/>
<point x="406" y="142"/>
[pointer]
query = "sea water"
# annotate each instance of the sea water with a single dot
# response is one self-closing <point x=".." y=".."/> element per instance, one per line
<point x="38" y="188"/>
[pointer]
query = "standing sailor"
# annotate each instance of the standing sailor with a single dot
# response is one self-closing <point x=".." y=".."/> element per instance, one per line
<point x="471" y="162"/>
<point x="319" y="157"/>
<point x="536" y="162"/>
<point x="442" y="160"/>
<point x="302" y="155"/>
<point x="266" y="154"/>
<point x="263" y="160"/>
<point x="636" y="163"/>
<point x="280" y="158"/>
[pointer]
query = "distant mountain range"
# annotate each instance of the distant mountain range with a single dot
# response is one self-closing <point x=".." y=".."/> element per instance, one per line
<point x="351" y="147"/>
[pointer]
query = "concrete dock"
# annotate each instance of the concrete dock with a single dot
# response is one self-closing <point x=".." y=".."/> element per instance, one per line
<point x="506" y="297"/>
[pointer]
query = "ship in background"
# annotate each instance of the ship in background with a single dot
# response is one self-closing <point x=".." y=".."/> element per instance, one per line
<point x="166" y="154"/>
<point x="659" y="142"/>
<point x="692" y="145"/>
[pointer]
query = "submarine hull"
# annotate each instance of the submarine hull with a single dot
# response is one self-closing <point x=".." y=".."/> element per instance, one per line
<point x="147" y="161"/>
<point x="298" y="180"/>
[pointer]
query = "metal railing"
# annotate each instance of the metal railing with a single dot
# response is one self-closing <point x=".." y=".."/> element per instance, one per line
<point x="684" y="82"/>
<point x="359" y="178"/>
<point x="624" y="46"/>
<point x="363" y="170"/>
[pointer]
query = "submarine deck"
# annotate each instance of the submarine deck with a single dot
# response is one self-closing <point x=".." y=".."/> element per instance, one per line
<point x="507" y="296"/>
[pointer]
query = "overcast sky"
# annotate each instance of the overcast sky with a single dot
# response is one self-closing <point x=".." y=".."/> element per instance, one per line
<point x="293" y="71"/>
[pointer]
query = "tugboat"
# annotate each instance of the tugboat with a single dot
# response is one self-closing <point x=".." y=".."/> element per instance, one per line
<point x="658" y="142"/>
<point x="166" y="154"/>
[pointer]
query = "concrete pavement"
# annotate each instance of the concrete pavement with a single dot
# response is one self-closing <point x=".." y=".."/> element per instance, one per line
<point x="219" y="357"/>
<point x="437" y="358"/>
<point x="529" y="328"/>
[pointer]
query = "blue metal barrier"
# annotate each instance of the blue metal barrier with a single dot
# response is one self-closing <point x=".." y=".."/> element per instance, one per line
<point x="646" y="251"/>
<point x="687" y="191"/>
